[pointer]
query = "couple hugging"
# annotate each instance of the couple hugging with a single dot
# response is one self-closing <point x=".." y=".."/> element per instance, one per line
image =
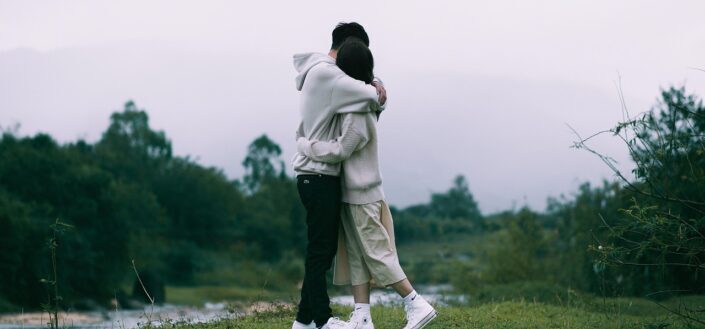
<point x="340" y="185"/>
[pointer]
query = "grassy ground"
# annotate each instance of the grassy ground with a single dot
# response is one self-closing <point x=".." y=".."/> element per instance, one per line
<point x="517" y="305"/>
<point x="428" y="262"/>
<point x="508" y="315"/>
<point x="434" y="262"/>
<point x="196" y="296"/>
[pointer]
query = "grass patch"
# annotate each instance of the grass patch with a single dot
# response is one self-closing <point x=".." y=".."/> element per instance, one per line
<point x="507" y="315"/>
<point x="197" y="296"/>
<point x="434" y="262"/>
<point x="551" y="294"/>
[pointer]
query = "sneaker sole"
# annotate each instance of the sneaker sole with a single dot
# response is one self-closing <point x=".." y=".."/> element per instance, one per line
<point x="426" y="320"/>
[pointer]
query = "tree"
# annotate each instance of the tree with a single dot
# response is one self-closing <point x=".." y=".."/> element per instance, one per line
<point x="130" y="148"/>
<point x="454" y="211"/>
<point x="456" y="203"/>
<point x="261" y="163"/>
<point x="274" y="218"/>
<point x="574" y="225"/>
<point x="49" y="181"/>
<point x="23" y="240"/>
<point x="660" y="238"/>
<point x="201" y="204"/>
<point x="519" y="250"/>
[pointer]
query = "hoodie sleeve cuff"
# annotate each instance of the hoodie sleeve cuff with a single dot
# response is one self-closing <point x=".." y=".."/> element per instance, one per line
<point x="303" y="146"/>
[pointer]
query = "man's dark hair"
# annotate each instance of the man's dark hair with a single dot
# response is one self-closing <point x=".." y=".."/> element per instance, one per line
<point x="355" y="59"/>
<point x="343" y="31"/>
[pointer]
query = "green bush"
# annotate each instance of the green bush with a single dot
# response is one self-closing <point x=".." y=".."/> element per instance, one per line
<point x="6" y="306"/>
<point x="657" y="241"/>
<point x="519" y="252"/>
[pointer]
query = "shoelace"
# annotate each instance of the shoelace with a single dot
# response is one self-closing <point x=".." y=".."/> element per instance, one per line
<point x="356" y="317"/>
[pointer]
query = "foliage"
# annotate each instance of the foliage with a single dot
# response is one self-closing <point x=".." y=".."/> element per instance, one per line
<point x="129" y="148"/>
<point x="452" y="212"/>
<point x="660" y="236"/>
<point x="261" y="163"/>
<point x="24" y="236"/>
<point x="203" y="207"/>
<point x="456" y="203"/>
<point x="128" y="197"/>
<point x="518" y="253"/>
<point x="576" y="224"/>
<point x="642" y="237"/>
<point x="53" y="298"/>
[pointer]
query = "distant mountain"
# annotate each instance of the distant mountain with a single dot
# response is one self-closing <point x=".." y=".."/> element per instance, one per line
<point x="507" y="136"/>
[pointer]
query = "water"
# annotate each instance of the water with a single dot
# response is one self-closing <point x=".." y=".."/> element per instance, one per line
<point x="121" y="319"/>
<point x="158" y="315"/>
<point x="436" y="294"/>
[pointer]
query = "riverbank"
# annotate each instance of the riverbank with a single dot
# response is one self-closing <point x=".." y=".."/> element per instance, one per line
<point x="123" y="319"/>
<point x="188" y="306"/>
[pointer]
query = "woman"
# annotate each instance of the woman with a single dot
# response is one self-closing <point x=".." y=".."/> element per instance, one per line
<point x="366" y="252"/>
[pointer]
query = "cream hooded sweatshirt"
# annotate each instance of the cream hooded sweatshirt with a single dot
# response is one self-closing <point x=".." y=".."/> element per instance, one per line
<point x="357" y="149"/>
<point x="326" y="91"/>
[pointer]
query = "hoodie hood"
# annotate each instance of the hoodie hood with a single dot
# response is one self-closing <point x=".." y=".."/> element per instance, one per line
<point x="304" y="62"/>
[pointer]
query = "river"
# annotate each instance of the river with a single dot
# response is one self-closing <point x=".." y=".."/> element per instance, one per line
<point x="158" y="315"/>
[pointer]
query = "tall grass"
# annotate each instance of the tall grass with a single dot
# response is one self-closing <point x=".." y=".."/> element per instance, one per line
<point x="52" y="282"/>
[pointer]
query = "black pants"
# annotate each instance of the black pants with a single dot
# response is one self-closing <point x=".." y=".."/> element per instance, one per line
<point x="320" y="195"/>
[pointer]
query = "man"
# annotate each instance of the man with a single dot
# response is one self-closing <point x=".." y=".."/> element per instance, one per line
<point x="325" y="92"/>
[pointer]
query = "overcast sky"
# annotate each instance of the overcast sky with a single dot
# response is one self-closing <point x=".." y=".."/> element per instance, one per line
<point x="479" y="88"/>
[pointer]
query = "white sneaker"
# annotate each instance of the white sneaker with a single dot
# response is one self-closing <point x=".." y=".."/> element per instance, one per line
<point x="360" y="320"/>
<point x="335" y="323"/>
<point x="418" y="313"/>
<point x="299" y="325"/>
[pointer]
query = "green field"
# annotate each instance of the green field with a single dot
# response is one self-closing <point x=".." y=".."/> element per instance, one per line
<point x="196" y="296"/>
<point x="618" y="313"/>
<point x="531" y="304"/>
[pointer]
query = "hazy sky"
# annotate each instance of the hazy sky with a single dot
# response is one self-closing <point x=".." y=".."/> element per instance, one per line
<point x="480" y="88"/>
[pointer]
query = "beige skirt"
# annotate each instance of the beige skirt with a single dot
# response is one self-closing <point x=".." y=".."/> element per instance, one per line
<point x="366" y="249"/>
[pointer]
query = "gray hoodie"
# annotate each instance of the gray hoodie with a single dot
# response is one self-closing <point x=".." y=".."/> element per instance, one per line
<point x="326" y="91"/>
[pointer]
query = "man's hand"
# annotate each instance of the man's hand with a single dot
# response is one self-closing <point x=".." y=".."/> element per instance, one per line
<point x="381" y="92"/>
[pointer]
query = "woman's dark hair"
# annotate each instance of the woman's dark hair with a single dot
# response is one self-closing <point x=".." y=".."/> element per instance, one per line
<point x="356" y="60"/>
